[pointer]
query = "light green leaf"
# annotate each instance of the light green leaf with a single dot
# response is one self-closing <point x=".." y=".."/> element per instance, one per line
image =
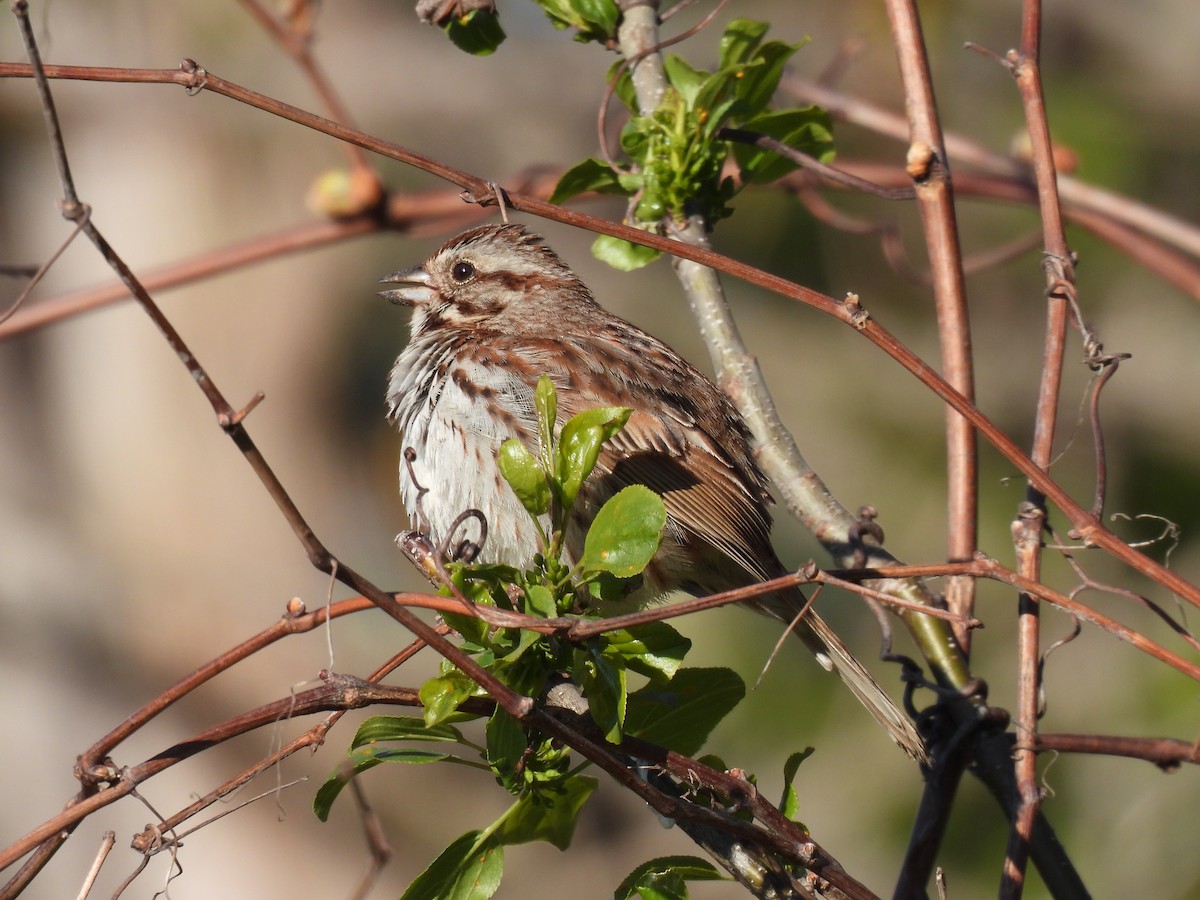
<point x="680" y="714"/>
<point x="579" y="445"/>
<point x="505" y="742"/>
<point x="790" y="804"/>
<point x="590" y="175"/>
<point x="654" y="649"/>
<point x="624" y="89"/>
<point x="807" y="130"/>
<point x="359" y="761"/>
<point x="716" y="96"/>
<point x="760" y="80"/>
<point x="402" y="728"/>
<point x="545" y="398"/>
<point x="602" y="677"/>
<point x="525" y="476"/>
<point x="547" y="817"/>
<point x="626" y="533"/>
<point x="622" y="254"/>
<point x="740" y="40"/>
<point x="442" y="695"/>
<point x="541" y="601"/>
<point x="595" y="20"/>
<point x="663" y="878"/>
<point x="469" y="869"/>
<point x="683" y="77"/>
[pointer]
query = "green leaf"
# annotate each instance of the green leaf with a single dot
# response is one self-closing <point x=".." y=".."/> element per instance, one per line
<point x="602" y="677"/>
<point x="760" y="80"/>
<point x="540" y="601"/>
<point x="505" y="742"/>
<point x="663" y="878"/>
<point x="790" y="804"/>
<point x="608" y="588"/>
<point x="547" y="816"/>
<point x="579" y="445"/>
<point x="545" y="398"/>
<point x="624" y="89"/>
<point x="595" y="20"/>
<point x="442" y="695"/>
<point x="402" y="728"/>
<point x="717" y="96"/>
<point x="807" y="130"/>
<point x="680" y="714"/>
<point x="590" y="175"/>
<point x="626" y="533"/>
<point x="636" y="136"/>
<point x="525" y="476"/>
<point x="478" y="32"/>
<point x="361" y="759"/>
<point x="740" y="40"/>
<point x="469" y="869"/>
<point x="623" y="255"/>
<point x="683" y="77"/>
<point x="654" y="649"/>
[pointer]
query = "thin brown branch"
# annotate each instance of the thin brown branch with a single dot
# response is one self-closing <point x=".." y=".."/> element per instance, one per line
<point x="1144" y="249"/>
<point x="928" y="166"/>
<point x="1166" y="753"/>
<point x="831" y="174"/>
<point x="1058" y="264"/>
<point x="91" y="766"/>
<point x="417" y="213"/>
<point x="986" y="567"/>
<point x="1078" y="196"/>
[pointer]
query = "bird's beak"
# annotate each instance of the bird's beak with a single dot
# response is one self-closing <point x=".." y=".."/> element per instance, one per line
<point x="414" y="287"/>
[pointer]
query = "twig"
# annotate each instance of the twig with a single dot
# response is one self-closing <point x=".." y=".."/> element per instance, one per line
<point x="106" y="845"/>
<point x="91" y="767"/>
<point x="41" y="271"/>
<point x="1166" y="753"/>
<point x="1031" y="520"/>
<point x="1078" y="195"/>
<point x="831" y="174"/>
<point x="929" y="169"/>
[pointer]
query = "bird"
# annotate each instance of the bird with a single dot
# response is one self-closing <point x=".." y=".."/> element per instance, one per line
<point x="495" y="308"/>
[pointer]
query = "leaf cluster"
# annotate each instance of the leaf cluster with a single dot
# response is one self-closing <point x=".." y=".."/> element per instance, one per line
<point x="676" y="155"/>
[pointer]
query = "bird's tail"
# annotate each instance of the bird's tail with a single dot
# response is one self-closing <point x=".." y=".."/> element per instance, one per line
<point x="833" y="654"/>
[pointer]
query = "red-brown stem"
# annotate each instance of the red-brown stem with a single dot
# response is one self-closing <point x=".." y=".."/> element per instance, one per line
<point x="1079" y="196"/>
<point x="285" y="626"/>
<point x="1031" y="523"/>
<point x="929" y="169"/>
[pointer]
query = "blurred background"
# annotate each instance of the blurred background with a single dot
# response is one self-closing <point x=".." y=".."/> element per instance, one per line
<point x="137" y="544"/>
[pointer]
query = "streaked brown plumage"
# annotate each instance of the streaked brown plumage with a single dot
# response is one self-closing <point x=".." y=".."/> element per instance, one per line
<point x="494" y="309"/>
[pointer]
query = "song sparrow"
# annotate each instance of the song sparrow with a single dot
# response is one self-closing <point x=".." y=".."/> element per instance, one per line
<point x="493" y="310"/>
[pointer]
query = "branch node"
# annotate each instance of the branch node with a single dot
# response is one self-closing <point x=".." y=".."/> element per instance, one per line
<point x="198" y="79"/>
<point x="493" y="196"/>
<point x="230" y="420"/>
<point x="920" y="161"/>
<point x="858" y="315"/>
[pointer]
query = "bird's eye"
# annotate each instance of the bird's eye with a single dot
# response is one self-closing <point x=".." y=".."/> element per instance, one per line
<point x="462" y="271"/>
